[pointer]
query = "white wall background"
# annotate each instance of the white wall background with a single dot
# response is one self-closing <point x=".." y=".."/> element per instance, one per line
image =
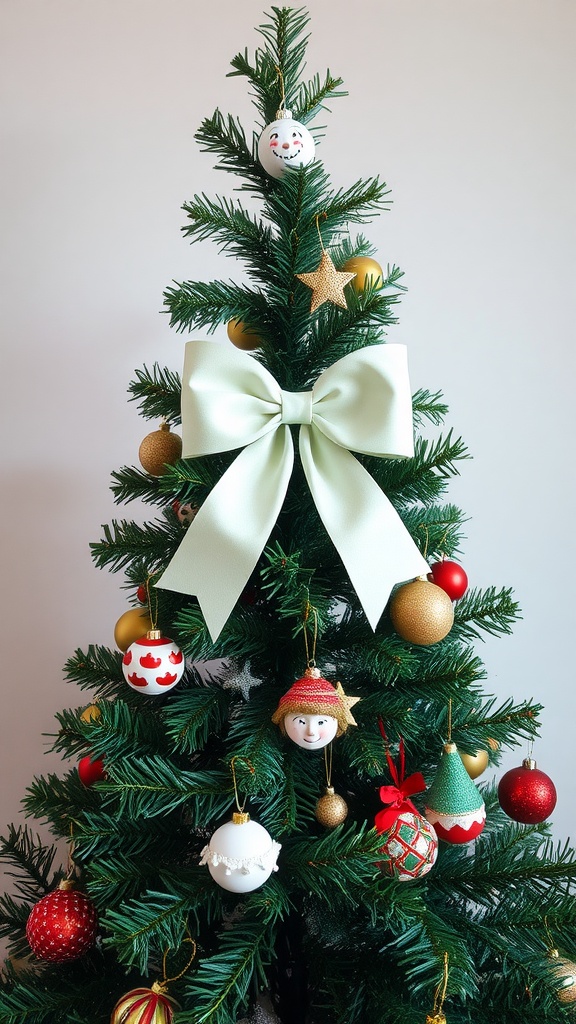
<point x="466" y="108"/>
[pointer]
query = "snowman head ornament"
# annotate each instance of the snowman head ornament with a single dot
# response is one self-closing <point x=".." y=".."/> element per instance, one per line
<point x="285" y="143"/>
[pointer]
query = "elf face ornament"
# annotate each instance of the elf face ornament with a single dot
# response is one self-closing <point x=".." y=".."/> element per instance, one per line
<point x="313" y="711"/>
<point x="285" y="143"/>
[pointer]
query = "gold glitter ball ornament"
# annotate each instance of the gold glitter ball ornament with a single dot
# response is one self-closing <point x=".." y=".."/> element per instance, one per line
<point x="159" y="449"/>
<point x="242" y="336"/>
<point x="421" y="612"/>
<point x="131" y="626"/>
<point x="565" y="972"/>
<point x="368" y="272"/>
<point x="331" y="809"/>
<point x="476" y="763"/>
<point x="327" y="283"/>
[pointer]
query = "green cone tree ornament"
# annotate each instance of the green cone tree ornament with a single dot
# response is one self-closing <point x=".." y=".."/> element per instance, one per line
<point x="454" y="805"/>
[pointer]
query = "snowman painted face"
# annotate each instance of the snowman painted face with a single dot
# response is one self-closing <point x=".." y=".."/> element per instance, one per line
<point x="311" y="731"/>
<point x="285" y="143"/>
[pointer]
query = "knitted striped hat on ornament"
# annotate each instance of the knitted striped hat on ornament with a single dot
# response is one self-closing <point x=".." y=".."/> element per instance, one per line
<point x="314" y="695"/>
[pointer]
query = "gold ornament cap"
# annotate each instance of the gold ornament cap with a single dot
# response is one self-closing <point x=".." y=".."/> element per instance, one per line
<point x="438" y="1018"/>
<point x="529" y="763"/>
<point x="154" y="634"/>
<point x="240" y="817"/>
<point x="283" y="114"/>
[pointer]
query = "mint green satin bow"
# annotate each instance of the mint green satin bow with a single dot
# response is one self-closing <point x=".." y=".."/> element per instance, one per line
<point x="229" y="400"/>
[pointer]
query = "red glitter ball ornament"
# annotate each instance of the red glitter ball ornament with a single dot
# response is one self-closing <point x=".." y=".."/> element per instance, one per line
<point x="526" y="794"/>
<point x="62" y="926"/>
<point x="450" y="577"/>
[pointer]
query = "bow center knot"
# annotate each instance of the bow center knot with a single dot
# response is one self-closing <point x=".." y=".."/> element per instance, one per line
<point x="296" y="407"/>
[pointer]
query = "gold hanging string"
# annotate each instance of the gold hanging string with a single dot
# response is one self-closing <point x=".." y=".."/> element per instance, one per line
<point x="424" y="527"/>
<point x="548" y="933"/>
<point x="71" y="866"/>
<point x="450" y="720"/>
<point x="318" y="215"/>
<point x="310" y="610"/>
<point x="328" y="763"/>
<point x="283" y="91"/>
<point x="238" y="757"/>
<point x="162" y="986"/>
<point x="437" y="1015"/>
<point x="152" y="613"/>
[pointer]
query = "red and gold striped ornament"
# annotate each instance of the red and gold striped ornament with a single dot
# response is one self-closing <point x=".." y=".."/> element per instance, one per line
<point x="145" y="1006"/>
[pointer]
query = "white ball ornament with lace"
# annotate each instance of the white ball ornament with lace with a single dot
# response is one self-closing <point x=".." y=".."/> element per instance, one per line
<point x="241" y="854"/>
<point x="285" y="143"/>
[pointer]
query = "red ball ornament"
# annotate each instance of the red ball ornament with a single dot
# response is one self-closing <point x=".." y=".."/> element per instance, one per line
<point x="142" y="593"/>
<point x="145" y="1006"/>
<point x="62" y="926"/>
<point x="451" y="577"/>
<point x="526" y="794"/>
<point x="91" y="771"/>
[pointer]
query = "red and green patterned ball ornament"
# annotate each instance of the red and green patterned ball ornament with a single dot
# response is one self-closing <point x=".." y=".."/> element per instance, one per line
<point x="153" y="664"/>
<point x="410" y="844"/>
<point x="526" y="794"/>
<point x="145" y="1006"/>
<point x="62" y="926"/>
<point x="454" y="805"/>
<point x="450" y="577"/>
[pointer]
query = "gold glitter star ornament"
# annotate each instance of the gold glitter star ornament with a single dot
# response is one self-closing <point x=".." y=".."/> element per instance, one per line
<point x="327" y="283"/>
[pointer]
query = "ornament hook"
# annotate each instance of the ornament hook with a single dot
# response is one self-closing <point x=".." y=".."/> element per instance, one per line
<point x="238" y="757"/>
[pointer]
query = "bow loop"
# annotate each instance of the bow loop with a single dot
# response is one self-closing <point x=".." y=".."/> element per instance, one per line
<point x="230" y="400"/>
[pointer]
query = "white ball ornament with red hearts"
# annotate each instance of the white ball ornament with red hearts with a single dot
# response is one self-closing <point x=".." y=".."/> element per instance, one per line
<point x="285" y="143"/>
<point x="153" y="664"/>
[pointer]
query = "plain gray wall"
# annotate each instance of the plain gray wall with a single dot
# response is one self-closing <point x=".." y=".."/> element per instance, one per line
<point x="466" y="108"/>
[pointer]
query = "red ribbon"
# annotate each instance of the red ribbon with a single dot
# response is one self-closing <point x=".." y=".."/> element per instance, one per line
<point x="397" y="795"/>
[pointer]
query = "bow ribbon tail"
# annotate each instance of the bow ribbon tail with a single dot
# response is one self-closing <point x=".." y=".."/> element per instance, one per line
<point x="371" y="539"/>
<point x="224" y="542"/>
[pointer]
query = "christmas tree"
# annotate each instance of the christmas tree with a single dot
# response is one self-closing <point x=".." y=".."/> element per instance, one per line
<point x="274" y="814"/>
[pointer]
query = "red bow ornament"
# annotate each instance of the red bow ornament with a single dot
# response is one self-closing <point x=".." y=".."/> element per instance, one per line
<point x="397" y="795"/>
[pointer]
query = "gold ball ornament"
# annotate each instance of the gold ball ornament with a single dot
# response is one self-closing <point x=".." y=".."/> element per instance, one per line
<point x="476" y="763"/>
<point x="243" y="336"/>
<point x="421" y="612"/>
<point x="91" y="714"/>
<point x="436" y="1018"/>
<point x="564" y="971"/>
<point x="145" y="1004"/>
<point x="159" y="449"/>
<point x="368" y="272"/>
<point x="131" y="626"/>
<point x="331" y="809"/>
